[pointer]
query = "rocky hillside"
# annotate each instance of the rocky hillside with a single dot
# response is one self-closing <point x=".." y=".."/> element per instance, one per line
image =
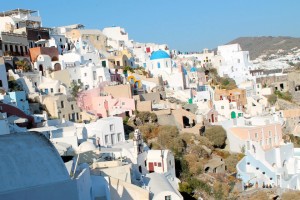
<point x="266" y="45"/>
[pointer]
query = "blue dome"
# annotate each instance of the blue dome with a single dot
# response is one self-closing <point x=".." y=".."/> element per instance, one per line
<point x="193" y="69"/>
<point x="160" y="54"/>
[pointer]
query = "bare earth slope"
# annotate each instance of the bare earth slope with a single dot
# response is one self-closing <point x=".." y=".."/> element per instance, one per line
<point x="266" y="44"/>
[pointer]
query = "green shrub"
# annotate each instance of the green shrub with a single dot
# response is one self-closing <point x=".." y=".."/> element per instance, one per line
<point x="217" y="135"/>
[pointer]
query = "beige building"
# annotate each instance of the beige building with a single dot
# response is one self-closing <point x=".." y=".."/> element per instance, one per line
<point x="58" y="106"/>
<point x="121" y="59"/>
<point x="95" y="37"/>
<point x="63" y="76"/>
<point x="118" y="91"/>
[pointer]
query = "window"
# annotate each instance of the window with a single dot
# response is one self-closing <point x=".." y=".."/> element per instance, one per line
<point x="118" y="63"/>
<point x="72" y="107"/>
<point x="62" y="104"/>
<point x="94" y="75"/>
<point x="87" y="37"/>
<point x="51" y="89"/>
<point x="168" y="197"/>
<point x="270" y="133"/>
<point x="119" y="137"/>
<point x="104" y="63"/>
<point x="1" y="84"/>
<point x="111" y="128"/>
<point x="85" y="74"/>
<point x="238" y="60"/>
<point x="222" y="107"/>
<point x="123" y="103"/>
<point x="159" y="164"/>
<point x="112" y="138"/>
<point x="98" y="37"/>
<point x="155" y="164"/>
<point x="158" y="65"/>
<point x="106" y="139"/>
<point x="256" y="135"/>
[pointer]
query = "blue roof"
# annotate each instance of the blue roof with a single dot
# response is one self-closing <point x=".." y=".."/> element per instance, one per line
<point x="193" y="69"/>
<point x="160" y="54"/>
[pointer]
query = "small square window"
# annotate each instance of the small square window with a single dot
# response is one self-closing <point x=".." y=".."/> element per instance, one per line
<point x="111" y="127"/>
<point x="168" y="197"/>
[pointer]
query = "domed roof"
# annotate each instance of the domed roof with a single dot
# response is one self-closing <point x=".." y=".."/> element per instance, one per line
<point x="33" y="154"/>
<point x="193" y="69"/>
<point x="160" y="54"/>
<point x="86" y="146"/>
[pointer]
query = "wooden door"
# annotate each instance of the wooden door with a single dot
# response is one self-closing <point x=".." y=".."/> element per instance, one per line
<point x="151" y="167"/>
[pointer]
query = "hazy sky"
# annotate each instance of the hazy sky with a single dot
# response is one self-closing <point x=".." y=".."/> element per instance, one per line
<point x="187" y="25"/>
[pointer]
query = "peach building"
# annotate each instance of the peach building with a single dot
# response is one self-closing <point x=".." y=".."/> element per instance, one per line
<point x="267" y="136"/>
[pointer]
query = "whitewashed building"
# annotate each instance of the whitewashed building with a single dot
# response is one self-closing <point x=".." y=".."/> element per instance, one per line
<point x="110" y="130"/>
<point x="236" y="63"/>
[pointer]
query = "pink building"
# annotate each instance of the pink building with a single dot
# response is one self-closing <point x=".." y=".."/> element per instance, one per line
<point x="105" y="105"/>
<point x="267" y="136"/>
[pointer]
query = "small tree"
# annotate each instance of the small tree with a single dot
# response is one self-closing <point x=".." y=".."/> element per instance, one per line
<point x="23" y="65"/>
<point x="272" y="99"/>
<point x="231" y="162"/>
<point x="217" y="135"/>
<point x="75" y="87"/>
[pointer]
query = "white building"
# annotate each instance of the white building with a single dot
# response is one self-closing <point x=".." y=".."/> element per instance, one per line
<point x="110" y="130"/>
<point x="160" y="64"/>
<point x="278" y="166"/>
<point x="236" y="63"/>
<point x="160" y="188"/>
<point x="161" y="161"/>
<point x="117" y="38"/>
<point x="58" y="40"/>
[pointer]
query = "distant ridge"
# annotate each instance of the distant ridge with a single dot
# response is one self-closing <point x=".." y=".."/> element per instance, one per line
<point x="266" y="44"/>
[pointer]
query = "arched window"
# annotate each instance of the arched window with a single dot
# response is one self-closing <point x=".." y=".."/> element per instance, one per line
<point x="158" y="65"/>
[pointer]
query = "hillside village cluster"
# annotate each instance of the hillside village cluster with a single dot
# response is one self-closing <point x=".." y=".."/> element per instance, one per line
<point x="66" y="93"/>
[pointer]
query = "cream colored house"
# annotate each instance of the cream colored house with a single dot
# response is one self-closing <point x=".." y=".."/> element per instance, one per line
<point x="59" y="106"/>
<point x="95" y="37"/>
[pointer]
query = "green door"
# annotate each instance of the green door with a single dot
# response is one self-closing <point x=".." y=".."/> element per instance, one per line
<point x="233" y="115"/>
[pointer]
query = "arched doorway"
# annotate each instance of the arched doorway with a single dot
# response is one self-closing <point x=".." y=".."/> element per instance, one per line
<point x="57" y="67"/>
<point x="41" y="69"/>
<point x="233" y="115"/>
